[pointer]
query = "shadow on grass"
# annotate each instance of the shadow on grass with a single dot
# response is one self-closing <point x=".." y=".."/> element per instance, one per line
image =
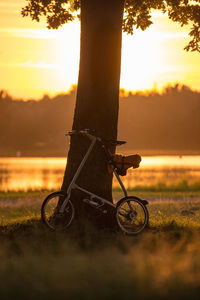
<point x="86" y="236"/>
<point x="89" y="263"/>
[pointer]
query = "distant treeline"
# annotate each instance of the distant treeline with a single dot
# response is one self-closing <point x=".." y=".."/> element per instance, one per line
<point x="152" y="123"/>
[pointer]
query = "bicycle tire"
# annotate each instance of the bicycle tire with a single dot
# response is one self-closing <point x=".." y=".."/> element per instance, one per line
<point x="49" y="216"/>
<point x="131" y="220"/>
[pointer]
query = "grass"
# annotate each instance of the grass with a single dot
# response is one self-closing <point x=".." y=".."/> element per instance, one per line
<point x="163" y="262"/>
<point x="85" y="264"/>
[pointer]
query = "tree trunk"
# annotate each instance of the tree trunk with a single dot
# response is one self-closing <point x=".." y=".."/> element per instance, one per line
<point x="97" y="99"/>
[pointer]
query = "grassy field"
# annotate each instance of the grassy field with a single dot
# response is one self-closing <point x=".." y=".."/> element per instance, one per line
<point x="163" y="262"/>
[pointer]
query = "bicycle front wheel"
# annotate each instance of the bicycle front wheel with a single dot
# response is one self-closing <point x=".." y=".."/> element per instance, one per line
<point x="50" y="213"/>
<point x="132" y="215"/>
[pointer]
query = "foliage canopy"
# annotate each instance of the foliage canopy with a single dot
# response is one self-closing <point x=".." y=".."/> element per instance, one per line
<point x="137" y="14"/>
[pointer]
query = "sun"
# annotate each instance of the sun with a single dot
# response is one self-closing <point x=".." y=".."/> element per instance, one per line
<point x="142" y="60"/>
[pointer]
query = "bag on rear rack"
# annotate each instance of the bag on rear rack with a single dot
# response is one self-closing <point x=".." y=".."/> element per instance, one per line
<point x="123" y="163"/>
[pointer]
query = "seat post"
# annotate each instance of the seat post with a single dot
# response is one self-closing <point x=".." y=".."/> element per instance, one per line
<point x="121" y="183"/>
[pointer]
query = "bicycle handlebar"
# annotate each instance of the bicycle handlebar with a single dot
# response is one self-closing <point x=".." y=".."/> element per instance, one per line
<point x="77" y="132"/>
<point x="90" y="134"/>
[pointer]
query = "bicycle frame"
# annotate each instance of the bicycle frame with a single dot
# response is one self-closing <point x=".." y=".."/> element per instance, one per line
<point x="73" y="184"/>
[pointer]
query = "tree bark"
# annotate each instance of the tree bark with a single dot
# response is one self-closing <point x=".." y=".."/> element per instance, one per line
<point x="97" y="99"/>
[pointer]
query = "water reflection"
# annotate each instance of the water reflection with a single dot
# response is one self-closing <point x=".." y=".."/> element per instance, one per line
<point x="36" y="173"/>
<point x="31" y="173"/>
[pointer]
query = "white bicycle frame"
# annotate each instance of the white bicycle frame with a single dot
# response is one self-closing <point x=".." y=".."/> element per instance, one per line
<point x="73" y="184"/>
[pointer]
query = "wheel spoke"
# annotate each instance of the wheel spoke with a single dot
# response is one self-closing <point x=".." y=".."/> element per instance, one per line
<point x="130" y="206"/>
<point x="123" y="215"/>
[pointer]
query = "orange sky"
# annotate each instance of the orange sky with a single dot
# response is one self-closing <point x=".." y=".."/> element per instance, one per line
<point x="34" y="60"/>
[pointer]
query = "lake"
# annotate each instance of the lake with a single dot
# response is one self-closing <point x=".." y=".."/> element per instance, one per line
<point x="24" y="173"/>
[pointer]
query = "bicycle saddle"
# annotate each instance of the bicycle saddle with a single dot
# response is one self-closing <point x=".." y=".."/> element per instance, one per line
<point x="115" y="143"/>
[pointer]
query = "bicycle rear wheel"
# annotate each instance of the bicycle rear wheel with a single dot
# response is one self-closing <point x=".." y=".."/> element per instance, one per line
<point x="132" y="215"/>
<point x="52" y="217"/>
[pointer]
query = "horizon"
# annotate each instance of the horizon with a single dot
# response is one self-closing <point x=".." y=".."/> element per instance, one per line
<point x="123" y="93"/>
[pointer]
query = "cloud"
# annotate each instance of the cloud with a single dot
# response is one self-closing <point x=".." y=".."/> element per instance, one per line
<point x="35" y="65"/>
<point x="11" y="7"/>
<point x="38" y="65"/>
<point x="32" y="33"/>
<point x="171" y="35"/>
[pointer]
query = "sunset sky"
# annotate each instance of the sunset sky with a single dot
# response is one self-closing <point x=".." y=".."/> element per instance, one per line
<point x="36" y="61"/>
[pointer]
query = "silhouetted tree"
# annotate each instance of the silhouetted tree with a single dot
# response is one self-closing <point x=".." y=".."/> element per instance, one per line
<point x="102" y="22"/>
